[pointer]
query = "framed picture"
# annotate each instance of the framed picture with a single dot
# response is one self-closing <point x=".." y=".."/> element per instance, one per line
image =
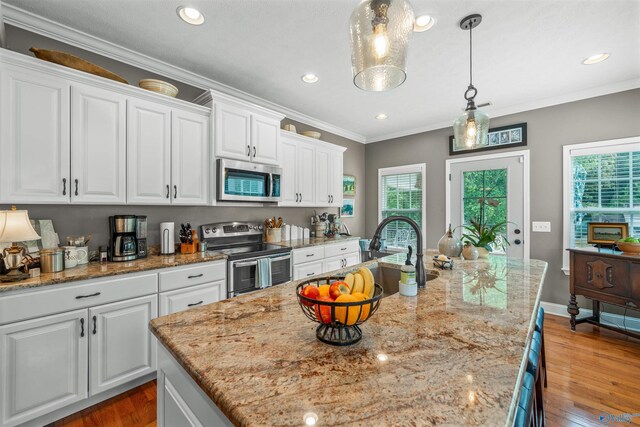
<point x="606" y="233"/>
<point x="500" y="137"/>
<point x="348" y="185"/>
<point x="348" y="208"/>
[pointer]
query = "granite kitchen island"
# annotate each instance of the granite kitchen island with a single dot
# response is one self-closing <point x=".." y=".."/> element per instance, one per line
<point x="453" y="355"/>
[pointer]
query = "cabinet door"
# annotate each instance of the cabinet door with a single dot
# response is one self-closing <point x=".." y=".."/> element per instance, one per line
<point x="43" y="365"/>
<point x="335" y="177"/>
<point x="309" y="269"/>
<point x="148" y="153"/>
<point x="352" y="259"/>
<point x="194" y="296"/>
<point x="121" y="346"/>
<point x="323" y="180"/>
<point x="289" y="185"/>
<point x="98" y="146"/>
<point x="34" y="137"/>
<point x="189" y="158"/>
<point x="265" y="135"/>
<point x="232" y="130"/>
<point x="332" y="264"/>
<point x="306" y="174"/>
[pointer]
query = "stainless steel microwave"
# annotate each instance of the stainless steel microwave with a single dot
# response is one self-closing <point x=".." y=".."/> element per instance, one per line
<point x="248" y="182"/>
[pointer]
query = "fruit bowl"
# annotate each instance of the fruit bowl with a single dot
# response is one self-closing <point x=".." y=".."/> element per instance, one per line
<point x="628" y="247"/>
<point x="339" y="321"/>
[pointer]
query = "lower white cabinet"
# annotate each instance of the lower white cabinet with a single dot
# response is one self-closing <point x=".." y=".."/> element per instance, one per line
<point x="194" y="296"/>
<point x="308" y="269"/>
<point x="43" y="365"/>
<point x="316" y="260"/>
<point x="343" y="261"/>
<point x="121" y="347"/>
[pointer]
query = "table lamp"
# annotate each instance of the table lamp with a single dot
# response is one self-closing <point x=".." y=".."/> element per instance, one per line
<point x="15" y="227"/>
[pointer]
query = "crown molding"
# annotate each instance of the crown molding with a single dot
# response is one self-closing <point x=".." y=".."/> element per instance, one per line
<point x="18" y="17"/>
<point x="519" y="108"/>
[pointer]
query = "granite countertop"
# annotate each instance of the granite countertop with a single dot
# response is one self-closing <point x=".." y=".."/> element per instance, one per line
<point x="315" y="241"/>
<point x="95" y="270"/>
<point x="453" y="355"/>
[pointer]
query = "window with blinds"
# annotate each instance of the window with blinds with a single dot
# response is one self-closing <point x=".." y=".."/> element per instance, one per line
<point x="401" y="193"/>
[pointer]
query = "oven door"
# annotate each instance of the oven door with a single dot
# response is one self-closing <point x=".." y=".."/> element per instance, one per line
<point x="243" y="273"/>
<point x="247" y="182"/>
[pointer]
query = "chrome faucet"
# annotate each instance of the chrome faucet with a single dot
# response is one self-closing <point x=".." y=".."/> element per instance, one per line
<point x="375" y="245"/>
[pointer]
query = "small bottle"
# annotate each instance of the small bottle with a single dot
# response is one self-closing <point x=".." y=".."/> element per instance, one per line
<point x="408" y="271"/>
<point x="103" y="255"/>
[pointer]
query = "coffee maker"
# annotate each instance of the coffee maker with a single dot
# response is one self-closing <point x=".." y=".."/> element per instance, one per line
<point x="122" y="238"/>
<point x="141" y="235"/>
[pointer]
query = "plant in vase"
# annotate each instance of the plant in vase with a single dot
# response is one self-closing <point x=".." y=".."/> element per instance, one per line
<point x="483" y="235"/>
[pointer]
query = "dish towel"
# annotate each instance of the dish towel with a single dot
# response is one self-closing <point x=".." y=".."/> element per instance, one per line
<point x="263" y="273"/>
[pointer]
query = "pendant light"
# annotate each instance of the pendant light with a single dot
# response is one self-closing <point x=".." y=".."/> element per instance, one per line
<point x="471" y="128"/>
<point x="380" y="32"/>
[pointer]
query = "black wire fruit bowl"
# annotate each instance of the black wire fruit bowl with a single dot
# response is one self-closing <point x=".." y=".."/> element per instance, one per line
<point x="339" y="322"/>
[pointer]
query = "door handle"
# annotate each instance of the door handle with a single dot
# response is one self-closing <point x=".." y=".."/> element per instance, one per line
<point x="301" y="197"/>
<point x="64" y="186"/>
<point x="76" y="187"/>
<point x="310" y="274"/>
<point x="249" y="150"/>
<point x="254" y="151"/>
<point x="81" y="328"/>
<point x="168" y="191"/>
<point x="310" y="255"/>
<point x="517" y="241"/>
<point x="328" y="199"/>
<point x="331" y="199"/>
<point x="195" y="303"/>
<point x="175" y="191"/>
<point x="95" y="324"/>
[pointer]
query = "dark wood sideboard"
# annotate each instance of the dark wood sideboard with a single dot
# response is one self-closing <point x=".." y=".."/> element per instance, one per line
<point x="603" y="277"/>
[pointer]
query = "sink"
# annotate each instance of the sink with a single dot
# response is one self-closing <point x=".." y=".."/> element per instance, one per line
<point x="369" y="255"/>
<point x="388" y="278"/>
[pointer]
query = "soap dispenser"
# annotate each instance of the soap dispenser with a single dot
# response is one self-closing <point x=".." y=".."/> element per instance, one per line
<point x="408" y="285"/>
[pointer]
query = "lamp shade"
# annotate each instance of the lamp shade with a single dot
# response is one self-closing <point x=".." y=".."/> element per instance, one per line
<point x="16" y="227"/>
<point x="471" y="130"/>
<point x="380" y="33"/>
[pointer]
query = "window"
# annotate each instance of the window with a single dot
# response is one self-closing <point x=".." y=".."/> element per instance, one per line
<point x="401" y="192"/>
<point x="601" y="184"/>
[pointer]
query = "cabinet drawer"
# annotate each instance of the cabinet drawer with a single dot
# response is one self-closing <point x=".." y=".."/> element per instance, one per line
<point x="344" y="248"/>
<point x="301" y="256"/>
<point x="603" y="275"/>
<point x="195" y="296"/>
<point x="189" y="276"/>
<point x="72" y="296"/>
<point x="635" y="281"/>
<point x="309" y="269"/>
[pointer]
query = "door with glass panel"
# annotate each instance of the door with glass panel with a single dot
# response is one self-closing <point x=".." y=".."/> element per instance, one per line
<point x="486" y="192"/>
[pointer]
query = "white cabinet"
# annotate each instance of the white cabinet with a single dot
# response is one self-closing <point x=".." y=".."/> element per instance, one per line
<point x="194" y="296"/>
<point x="289" y="185"/>
<point x="34" y="137"/>
<point x="98" y="146"/>
<point x="306" y="174"/>
<point x="265" y="135"/>
<point x="316" y="260"/>
<point x="121" y="346"/>
<point x="43" y="365"/>
<point x="232" y="132"/>
<point x="328" y="176"/>
<point x="298" y="172"/>
<point x="307" y="269"/>
<point x="336" y="161"/>
<point x="336" y="263"/>
<point x="189" y="158"/>
<point x="148" y="153"/>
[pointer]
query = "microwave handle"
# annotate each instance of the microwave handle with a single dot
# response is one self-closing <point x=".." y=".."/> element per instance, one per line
<point x="270" y="184"/>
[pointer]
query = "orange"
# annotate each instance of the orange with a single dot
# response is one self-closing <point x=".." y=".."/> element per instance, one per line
<point x="324" y="290"/>
<point x="341" y="312"/>
<point x="365" y="307"/>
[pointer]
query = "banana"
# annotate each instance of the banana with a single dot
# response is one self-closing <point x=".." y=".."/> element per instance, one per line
<point x="369" y="281"/>
<point x="358" y="285"/>
<point x="349" y="279"/>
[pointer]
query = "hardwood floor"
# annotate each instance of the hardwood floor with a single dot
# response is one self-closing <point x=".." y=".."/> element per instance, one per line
<point x="590" y="372"/>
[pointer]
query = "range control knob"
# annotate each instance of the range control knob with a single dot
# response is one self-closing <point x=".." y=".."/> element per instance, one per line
<point x="259" y="227"/>
<point x="214" y="230"/>
<point x="207" y="230"/>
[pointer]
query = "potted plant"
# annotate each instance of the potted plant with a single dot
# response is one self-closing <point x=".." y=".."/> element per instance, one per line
<point x="482" y="235"/>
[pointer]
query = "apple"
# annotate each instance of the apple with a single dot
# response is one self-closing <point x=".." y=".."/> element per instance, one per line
<point x="309" y="291"/>
<point x="323" y="312"/>
<point x="338" y="288"/>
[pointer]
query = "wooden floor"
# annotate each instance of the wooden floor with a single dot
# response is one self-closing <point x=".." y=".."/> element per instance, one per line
<point x="592" y="372"/>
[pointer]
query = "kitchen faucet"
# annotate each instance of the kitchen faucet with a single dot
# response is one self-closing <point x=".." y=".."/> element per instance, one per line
<point x="375" y="244"/>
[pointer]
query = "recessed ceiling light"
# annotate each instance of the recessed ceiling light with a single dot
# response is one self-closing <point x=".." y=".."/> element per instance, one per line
<point x="594" y="59"/>
<point x="309" y="78"/>
<point x="190" y="15"/>
<point x="423" y="23"/>
<point x="381" y="116"/>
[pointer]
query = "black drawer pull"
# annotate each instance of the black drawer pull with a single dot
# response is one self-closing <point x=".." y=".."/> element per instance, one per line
<point x="81" y="328"/>
<point x="308" y="255"/>
<point x="343" y="249"/>
<point x="310" y="274"/>
<point x="194" y="276"/>
<point x="195" y="303"/>
<point x="88" y="296"/>
<point x="95" y="324"/>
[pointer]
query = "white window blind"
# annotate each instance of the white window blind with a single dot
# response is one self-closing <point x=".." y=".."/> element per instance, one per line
<point x="402" y="193"/>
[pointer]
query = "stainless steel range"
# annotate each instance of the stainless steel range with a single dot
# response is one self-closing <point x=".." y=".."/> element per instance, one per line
<point x="251" y="264"/>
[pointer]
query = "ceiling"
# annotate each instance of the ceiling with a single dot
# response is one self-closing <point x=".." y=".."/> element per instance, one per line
<point x="527" y="54"/>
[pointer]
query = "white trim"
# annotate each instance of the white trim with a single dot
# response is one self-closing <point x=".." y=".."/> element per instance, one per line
<point x="396" y="170"/>
<point x="632" y="323"/>
<point x="568" y="151"/>
<point x="526" y="182"/>
<point x="26" y="20"/>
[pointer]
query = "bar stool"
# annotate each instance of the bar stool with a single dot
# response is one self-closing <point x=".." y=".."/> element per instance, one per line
<point x="537" y="371"/>
<point x="540" y="328"/>
<point x="525" y="410"/>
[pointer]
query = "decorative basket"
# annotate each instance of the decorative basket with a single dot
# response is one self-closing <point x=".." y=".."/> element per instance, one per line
<point x="629" y="248"/>
<point x="339" y="321"/>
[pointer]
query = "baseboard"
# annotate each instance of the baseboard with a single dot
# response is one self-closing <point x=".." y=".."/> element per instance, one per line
<point x="631" y="323"/>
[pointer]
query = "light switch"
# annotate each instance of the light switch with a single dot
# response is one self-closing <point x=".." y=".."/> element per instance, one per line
<point x="541" y="227"/>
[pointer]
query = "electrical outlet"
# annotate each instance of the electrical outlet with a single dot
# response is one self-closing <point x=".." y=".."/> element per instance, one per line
<point x="541" y="227"/>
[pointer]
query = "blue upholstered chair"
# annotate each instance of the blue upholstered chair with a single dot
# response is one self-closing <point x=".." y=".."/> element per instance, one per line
<point x="526" y="402"/>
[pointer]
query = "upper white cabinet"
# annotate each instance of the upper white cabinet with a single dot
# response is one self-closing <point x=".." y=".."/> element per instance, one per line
<point x="148" y="153"/>
<point x="243" y="131"/>
<point x="98" y="146"/>
<point x="329" y="175"/>
<point x="190" y="158"/>
<point x="336" y="168"/>
<point x="34" y="137"/>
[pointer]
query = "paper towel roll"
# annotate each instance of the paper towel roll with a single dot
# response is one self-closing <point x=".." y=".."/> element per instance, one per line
<point x="167" y="239"/>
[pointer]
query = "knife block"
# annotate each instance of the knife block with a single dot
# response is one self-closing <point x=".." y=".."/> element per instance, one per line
<point x="188" y="248"/>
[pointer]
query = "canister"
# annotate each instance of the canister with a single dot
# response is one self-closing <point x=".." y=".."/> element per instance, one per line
<point x="51" y="260"/>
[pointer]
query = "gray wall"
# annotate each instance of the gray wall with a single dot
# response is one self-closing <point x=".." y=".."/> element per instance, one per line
<point x="71" y="220"/>
<point x="602" y="118"/>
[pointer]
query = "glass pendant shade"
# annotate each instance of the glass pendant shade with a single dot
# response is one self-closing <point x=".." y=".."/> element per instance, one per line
<point x="380" y="33"/>
<point x="471" y="130"/>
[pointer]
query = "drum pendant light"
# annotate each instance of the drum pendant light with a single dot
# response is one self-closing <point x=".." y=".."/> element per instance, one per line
<point x="380" y="32"/>
<point x="471" y="128"/>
